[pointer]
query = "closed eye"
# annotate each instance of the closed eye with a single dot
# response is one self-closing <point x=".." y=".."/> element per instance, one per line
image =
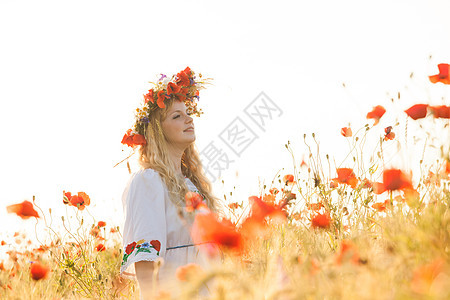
<point x="176" y="116"/>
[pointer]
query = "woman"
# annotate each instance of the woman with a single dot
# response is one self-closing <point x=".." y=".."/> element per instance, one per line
<point x="156" y="232"/>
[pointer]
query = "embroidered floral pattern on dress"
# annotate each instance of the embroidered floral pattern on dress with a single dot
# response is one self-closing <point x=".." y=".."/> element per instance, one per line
<point x="141" y="246"/>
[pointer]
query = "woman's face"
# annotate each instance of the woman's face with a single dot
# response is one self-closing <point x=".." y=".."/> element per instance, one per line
<point x="178" y="127"/>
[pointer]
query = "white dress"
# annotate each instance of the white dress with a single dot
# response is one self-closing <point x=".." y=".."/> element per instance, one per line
<point x="153" y="229"/>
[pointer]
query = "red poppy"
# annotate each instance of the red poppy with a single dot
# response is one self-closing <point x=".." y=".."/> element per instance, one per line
<point x="346" y="131"/>
<point x="80" y="200"/>
<point x="261" y="209"/>
<point x="207" y="228"/>
<point x="233" y="205"/>
<point x="395" y="179"/>
<point x="314" y="206"/>
<point x="133" y="139"/>
<point x="130" y="248"/>
<point x="381" y="206"/>
<point x="366" y="183"/>
<point x="95" y="231"/>
<point x="39" y="271"/>
<point x="149" y="96"/>
<point x="156" y="244"/>
<point x="347" y="252"/>
<point x="321" y="220"/>
<point x="189" y="271"/>
<point x="346" y="175"/>
<point x="100" y="247"/>
<point x="183" y="77"/>
<point x="417" y="111"/>
<point x="194" y="201"/>
<point x="3" y="243"/>
<point x="101" y="224"/>
<point x="390" y="135"/>
<point x="288" y="179"/>
<point x="273" y="191"/>
<point x="24" y="210"/>
<point x="172" y="88"/>
<point x="441" y="111"/>
<point x="378" y="188"/>
<point x="443" y="75"/>
<point x="424" y="276"/>
<point x="376" y="114"/>
<point x="160" y="100"/>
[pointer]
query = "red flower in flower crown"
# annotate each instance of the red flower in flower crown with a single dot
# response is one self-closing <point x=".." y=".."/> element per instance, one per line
<point x="183" y="77"/>
<point x="149" y="96"/>
<point x="160" y="101"/>
<point x="443" y="75"/>
<point x="172" y="88"/>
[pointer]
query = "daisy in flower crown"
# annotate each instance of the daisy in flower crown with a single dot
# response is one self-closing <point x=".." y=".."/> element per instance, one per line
<point x="157" y="219"/>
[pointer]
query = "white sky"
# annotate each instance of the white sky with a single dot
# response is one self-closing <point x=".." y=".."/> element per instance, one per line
<point x="72" y="73"/>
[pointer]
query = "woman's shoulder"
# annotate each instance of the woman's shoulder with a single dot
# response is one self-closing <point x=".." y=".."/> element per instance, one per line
<point x="146" y="177"/>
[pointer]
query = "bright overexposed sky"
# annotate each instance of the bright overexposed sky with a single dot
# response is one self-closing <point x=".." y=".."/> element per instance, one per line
<point x="73" y="72"/>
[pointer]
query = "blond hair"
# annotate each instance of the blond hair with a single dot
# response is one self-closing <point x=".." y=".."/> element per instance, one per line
<point x="154" y="155"/>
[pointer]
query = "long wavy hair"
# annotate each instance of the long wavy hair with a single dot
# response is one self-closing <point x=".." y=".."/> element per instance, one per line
<point x="154" y="155"/>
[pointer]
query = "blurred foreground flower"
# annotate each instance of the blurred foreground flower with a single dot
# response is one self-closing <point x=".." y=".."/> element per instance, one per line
<point x="207" y="229"/>
<point x="24" y="210"/>
<point x="321" y="220"/>
<point x="39" y="271"/>
<point x="394" y="179"/>
<point x="188" y="272"/>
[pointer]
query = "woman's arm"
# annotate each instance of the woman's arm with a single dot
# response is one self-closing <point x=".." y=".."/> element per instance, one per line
<point x="144" y="273"/>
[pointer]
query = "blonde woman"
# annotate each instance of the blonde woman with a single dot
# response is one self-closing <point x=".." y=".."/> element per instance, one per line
<point x="156" y="235"/>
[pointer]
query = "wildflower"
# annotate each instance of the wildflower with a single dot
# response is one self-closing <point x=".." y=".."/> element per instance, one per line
<point x="417" y="111"/>
<point x="381" y="206"/>
<point x="394" y="179"/>
<point x="288" y="179"/>
<point x="39" y="271"/>
<point x="113" y="230"/>
<point x="273" y="191"/>
<point x="194" y="201"/>
<point x="321" y="220"/>
<point x="261" y="209"/>
<point x="188" y="272"/>
<point x="346" y="131"/>
<point x="101" y="224"/>
<point x="80" y="200"/>
<point x="95" y="231"/>
<point x="100" y="247"/>
<point x="378" y="188"/>
<point x="366" y="184"/>
<point x="443" y="75"/>
<point x="233" y="205"/>
<point x="24" y="210"/>
<point x="390" y="135"/>
<point x="133" y="139"/>
<point x="346" y="176"/>
<point x="376" y="114"/>
<point x="441" y="111"/>
<point x="424" y="276"/>
<point x="207" y="228"/>
<point x="347" y="252"/>
<point x="269" y="198"/>
<point x="314" y="206"/>
<point x="149" y="96"/>
<point x="3" y="243"/>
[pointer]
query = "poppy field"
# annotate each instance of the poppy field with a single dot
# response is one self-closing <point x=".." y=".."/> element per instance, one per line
<point x="365" y="227"/>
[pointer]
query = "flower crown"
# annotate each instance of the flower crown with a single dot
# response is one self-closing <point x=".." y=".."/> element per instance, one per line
<point x="184" y="86"/>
